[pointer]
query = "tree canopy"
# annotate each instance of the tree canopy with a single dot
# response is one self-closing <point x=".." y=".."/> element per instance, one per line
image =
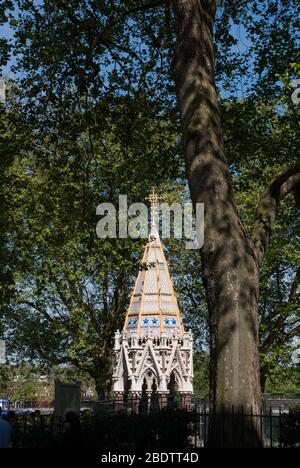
<point x="94" y="115"/>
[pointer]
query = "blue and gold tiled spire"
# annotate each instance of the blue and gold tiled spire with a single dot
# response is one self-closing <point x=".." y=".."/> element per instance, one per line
<point x="153" y="306"/>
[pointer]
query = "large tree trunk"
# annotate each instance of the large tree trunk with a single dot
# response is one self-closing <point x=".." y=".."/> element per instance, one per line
<point x="230" y="268"/>
<point x="103" y="364"/>
<point x="103" y="378"/>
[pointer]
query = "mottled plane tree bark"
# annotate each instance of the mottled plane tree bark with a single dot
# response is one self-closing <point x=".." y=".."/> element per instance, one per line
<point x="231" y="260"/>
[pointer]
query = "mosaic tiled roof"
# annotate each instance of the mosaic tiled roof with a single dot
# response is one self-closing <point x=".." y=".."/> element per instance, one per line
<point x="153" y="306"/>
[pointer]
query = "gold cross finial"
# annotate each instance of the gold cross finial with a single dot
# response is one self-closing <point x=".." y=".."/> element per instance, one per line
<point x="153" y="197"/>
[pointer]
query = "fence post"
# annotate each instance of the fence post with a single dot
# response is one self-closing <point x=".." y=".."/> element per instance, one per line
<point x="232" y="424"/>
<point x="251" y="422"/>
<point x="261" y="424"/>
<point x="280" y="438"/>
<point x="204" y="426"/>
<point x="271" y="427"/>
<point x="195" y="425"/>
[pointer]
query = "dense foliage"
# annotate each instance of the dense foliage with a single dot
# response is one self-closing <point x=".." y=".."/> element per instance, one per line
<point x="93" y="116"/>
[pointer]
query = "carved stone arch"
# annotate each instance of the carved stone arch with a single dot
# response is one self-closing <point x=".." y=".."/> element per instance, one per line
<point x="151" y="376"/>
<point x="177" y="376"/>
<point x="148" y="383"/>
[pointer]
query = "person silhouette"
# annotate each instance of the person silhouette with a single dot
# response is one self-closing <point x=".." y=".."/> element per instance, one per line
<point x="5" y="432"/>
<point x="11" y="418"/>
<point x="72" y="435"/>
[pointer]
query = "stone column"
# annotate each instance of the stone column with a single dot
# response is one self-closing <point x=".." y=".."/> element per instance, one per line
<point x="186" y="401"/>
<point x="135" y="400"/>
<point x="149" y="398"/>
<point x="163" y="400"/>
<point x="119" y="401"/>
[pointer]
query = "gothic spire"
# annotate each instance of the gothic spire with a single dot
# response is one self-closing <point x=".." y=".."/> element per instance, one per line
<point x="153" y="306"/>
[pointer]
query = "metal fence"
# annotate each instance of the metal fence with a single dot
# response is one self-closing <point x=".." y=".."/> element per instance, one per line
<point x="277" y="427"/>
<point x="105" y="427"/>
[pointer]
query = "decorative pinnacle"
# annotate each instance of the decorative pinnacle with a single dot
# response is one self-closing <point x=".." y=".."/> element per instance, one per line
<point x="154" y="199"/>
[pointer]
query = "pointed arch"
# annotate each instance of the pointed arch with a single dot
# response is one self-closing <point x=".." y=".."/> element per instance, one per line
<point x="153" y="378"/>
<point x="178" y="378"/>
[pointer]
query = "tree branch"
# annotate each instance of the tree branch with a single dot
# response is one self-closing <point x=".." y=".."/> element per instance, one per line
<point x="110" y="24"/>
<point x="40" y="310"/>
<point x="282" y="185"/>
<point x="147" y="6"/>
<point x="103" y="36"/>
<point x="118" y="305"/>
<point x="294" y="288"/>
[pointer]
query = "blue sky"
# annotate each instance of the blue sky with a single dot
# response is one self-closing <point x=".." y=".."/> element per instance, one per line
<point x="237" y="31"/>
<point x="239" y="84"/>
<point x="6" y="32"/>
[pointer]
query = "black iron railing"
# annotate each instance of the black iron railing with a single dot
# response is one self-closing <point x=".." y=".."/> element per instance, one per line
<point x="165" y="427"/>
